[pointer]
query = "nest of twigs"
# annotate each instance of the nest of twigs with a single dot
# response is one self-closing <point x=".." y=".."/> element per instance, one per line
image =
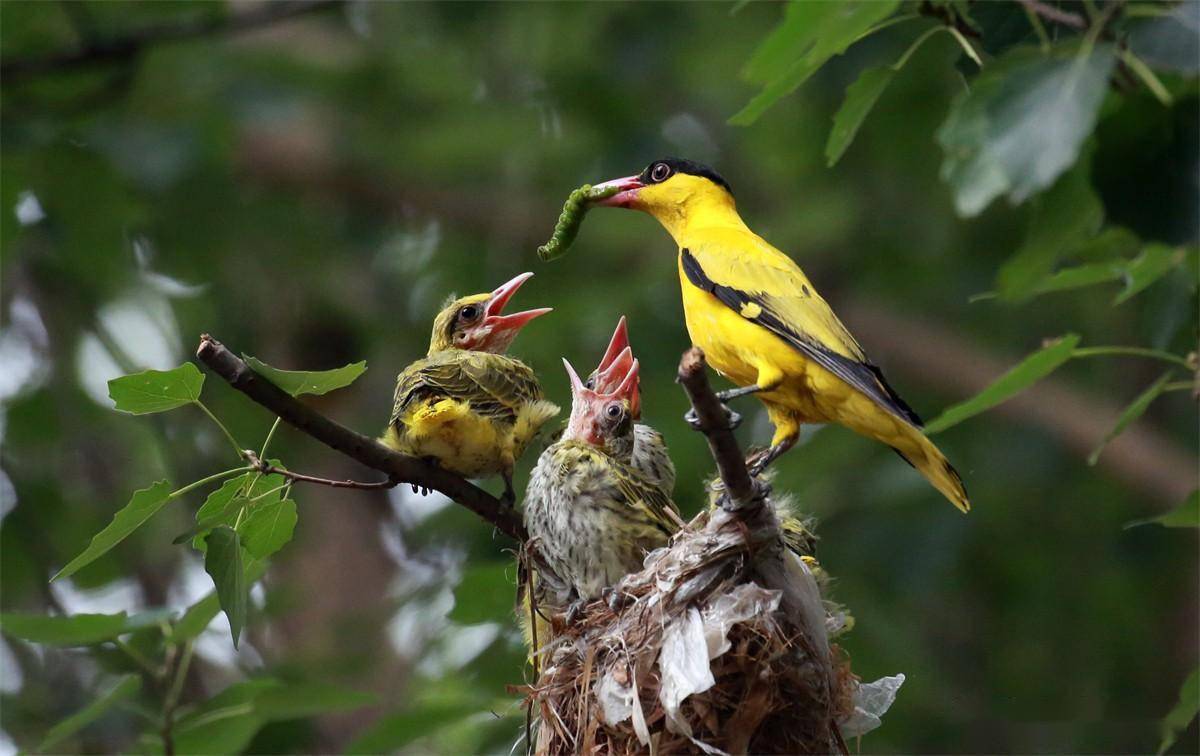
<point x="720" y="644"/>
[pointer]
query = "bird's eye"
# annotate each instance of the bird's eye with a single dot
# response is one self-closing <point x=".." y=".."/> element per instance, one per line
<point x="614" y="411"/>
<point x="590" y="383"/>
<point x="469" y="313"/>
<point x="660" y="172"/>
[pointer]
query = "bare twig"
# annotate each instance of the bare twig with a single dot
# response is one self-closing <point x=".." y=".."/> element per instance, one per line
<point x="266" y="468"/>
<point x="714" y="424"/>
<point x="1056" y="15"/>
<point x="398" y="467"/>
<point x="132" y="44"/>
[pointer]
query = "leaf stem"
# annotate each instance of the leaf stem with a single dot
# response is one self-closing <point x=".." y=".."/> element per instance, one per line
<point x="204" y="481"/>
<point x="1179" y="386"/>
<point x="237" y="448"/>
<point x="885" y="24"/>
<point x="1127" y="351"/>
<point x="1147" y="76"/>
<point x="966" y="45"/>
<point x="916" y="45"/>
<point x="1036" y="23"/>
<point x="270" y="435"/>
<point x="137" y="657"/>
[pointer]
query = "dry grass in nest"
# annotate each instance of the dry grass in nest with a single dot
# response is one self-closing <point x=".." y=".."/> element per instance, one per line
<point x="720" y="644"/>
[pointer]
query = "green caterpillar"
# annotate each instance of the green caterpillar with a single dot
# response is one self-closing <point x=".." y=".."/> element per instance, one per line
<point x="569" y="220"/>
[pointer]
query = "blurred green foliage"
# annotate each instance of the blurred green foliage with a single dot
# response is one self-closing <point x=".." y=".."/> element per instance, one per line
<point x="309" y="191"/>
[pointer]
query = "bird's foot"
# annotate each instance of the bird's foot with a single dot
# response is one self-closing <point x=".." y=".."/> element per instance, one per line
<point x="727" y="394"/>
<point x="509" y="497"/>
<point x="573" y="611"/>
<point x="614" y="597"/>
<point x="732" y="419"/>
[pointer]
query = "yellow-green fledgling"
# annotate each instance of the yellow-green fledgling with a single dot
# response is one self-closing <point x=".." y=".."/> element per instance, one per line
<point x="592" y="515"/>
<point x="649" y="455"/>
<point x="468" y="405"/>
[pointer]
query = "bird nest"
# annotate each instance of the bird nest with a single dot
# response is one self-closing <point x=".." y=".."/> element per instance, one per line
<point x="721" y="644"/>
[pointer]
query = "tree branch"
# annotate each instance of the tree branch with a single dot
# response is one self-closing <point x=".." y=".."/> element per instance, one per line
<point x="1056" y="15"/>
<point x="266" y="468"/>
<point x="714" y="424"/>
<point x="132" y="44"/>
<point x="399" y="467"/>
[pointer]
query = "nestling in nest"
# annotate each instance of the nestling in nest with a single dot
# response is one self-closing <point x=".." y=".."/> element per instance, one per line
<point x="721" y="644"/>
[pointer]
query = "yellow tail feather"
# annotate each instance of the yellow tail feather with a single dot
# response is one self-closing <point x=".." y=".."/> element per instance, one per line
<point x="922" y="454"/>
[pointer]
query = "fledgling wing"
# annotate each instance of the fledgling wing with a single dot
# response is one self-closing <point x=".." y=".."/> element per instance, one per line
<point x="495" y="385"/>
<point x="769" y="289"/>
<point x="625" y="487"/>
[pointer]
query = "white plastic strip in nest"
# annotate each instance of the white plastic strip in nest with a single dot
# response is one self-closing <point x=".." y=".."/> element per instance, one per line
<point x="871" y="702"/>
<point x="692" y="640"/>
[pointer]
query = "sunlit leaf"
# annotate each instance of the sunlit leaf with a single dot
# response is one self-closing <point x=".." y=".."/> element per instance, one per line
<point x="860" y="98"/>
<point x="1186" y="515"/>
<point x="395" y="731"/>
<point x="1178" y="719"/>
<point x="223" y="561"/>
<point x="1155" y="261"/>
<point x="156" y="390"/>
<point x="810" y="34"/>
<point x="298" y="382"/>
<point x="1062" y="218"/>
<point x="124" y="688"/>
<point x="68" y="630"/>
<point x="297" y="700"/>
<point x="1136" y="409"/>
<point x="268" y="526"/>
<point x="1021" y="124"/>
<point x="487" y="593"/>
<point x="144" y="504"/>
<point x="1027" y="372"/>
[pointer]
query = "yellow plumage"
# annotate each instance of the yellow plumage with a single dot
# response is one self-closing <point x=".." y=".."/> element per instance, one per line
<point x="468" y="405"/>
<point x="761" y="323"/>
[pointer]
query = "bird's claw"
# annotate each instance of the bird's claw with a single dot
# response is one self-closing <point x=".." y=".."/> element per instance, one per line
<point x="614" y="597"/>
<point x="732" y="419"/>
<point x="573" y="611"/>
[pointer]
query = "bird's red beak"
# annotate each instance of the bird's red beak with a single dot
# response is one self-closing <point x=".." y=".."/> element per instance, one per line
<point x="588" y="404"/>
<point x="495" y="306"/>
<point x="627" y="191"/>
<point x="615" y="366"/>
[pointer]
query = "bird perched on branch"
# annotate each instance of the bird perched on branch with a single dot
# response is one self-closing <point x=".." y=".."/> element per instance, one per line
<point x="649" y="454"/>
<point x="468" y="405"/>
<point x="762" y="324"/>
<point x="592" y="514"/>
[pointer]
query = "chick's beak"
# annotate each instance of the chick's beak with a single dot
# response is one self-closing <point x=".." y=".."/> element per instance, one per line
<point x="618" y="344"/>
<point x="500" y="297"/>
<point x="627" y="189"/>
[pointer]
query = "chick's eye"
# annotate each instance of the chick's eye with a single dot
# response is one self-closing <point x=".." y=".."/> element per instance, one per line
<point x="613" y="411"/>
<point x="660" y="172"/>
<point x="470" y="312"/>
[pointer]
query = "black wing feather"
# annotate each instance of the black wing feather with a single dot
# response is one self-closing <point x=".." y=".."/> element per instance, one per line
<point x="863" y="376"/>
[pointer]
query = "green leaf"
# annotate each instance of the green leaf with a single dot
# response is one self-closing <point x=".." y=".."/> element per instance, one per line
<point x="1183" y="712"/>
<point x="144" y="505"/>
<point x="156" y="390"/>
<point x="1186" y="515"/>
<point x="1027" y="372"/>
<point x="268" y="527"/>
<point x="1021" y="124"/>
<point x="69" y="630"/>
<point x="810" y="34"/>
<point x="217" y="505"/>
<point x="225" y="723"/>
<point x="1062" y="219"/>
<point x="860" y="98"/>
<point x="124" y="688"/>
<point x="200" y="615"/>
<point x="196" y="619"/>
<point x="1170" y="42"/>
<point x="316" y="382"/>
<point x="392" y="733"/>
<point x="1136" y="409"/>
<point x="223" y="561"/>
<point x="297" y="700"/>
<point x="487" y="593"/>
<point x="1155" y="261"/>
